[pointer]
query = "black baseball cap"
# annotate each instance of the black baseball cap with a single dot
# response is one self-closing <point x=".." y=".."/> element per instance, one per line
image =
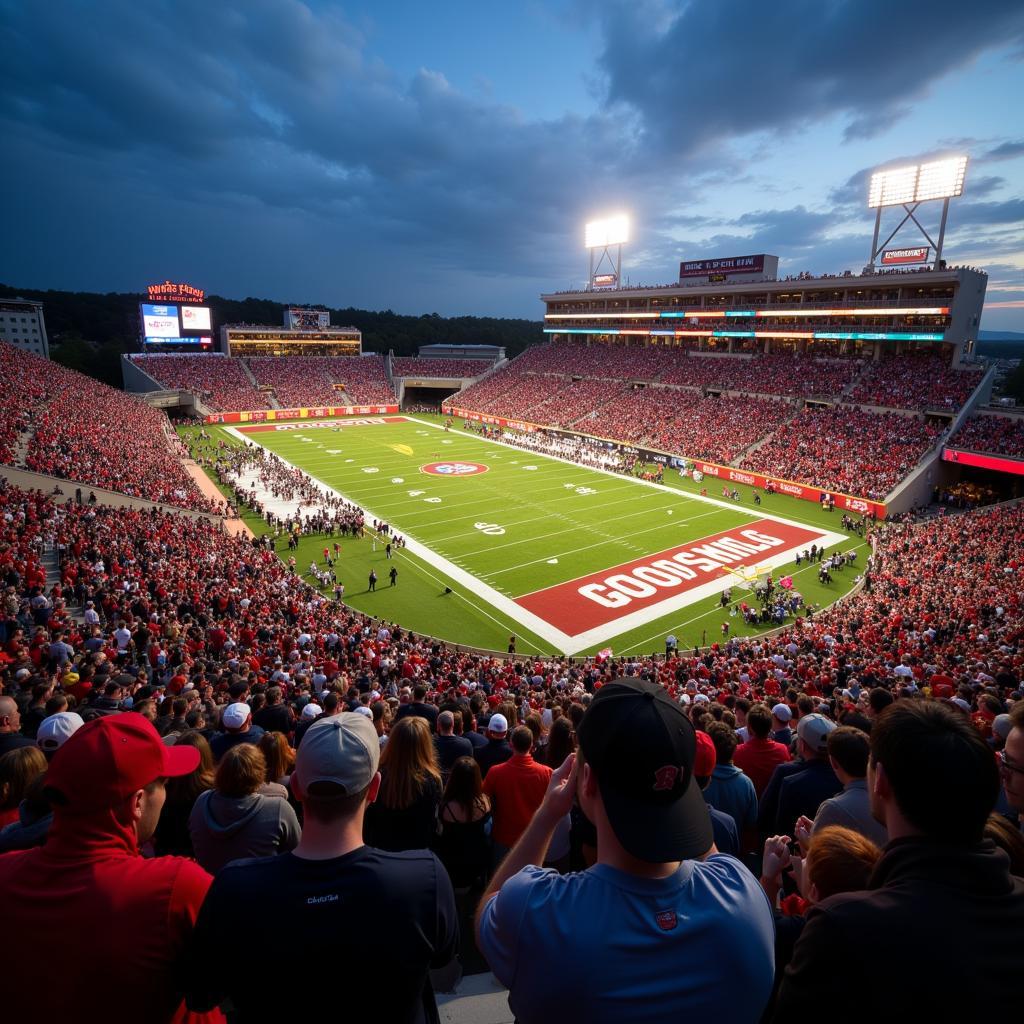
<point x="642" y="747"/>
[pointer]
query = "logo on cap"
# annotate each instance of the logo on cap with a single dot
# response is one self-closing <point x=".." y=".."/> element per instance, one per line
<point x="665" y="778"/>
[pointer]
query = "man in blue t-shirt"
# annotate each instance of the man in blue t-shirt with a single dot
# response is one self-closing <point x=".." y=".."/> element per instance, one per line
<point x="663" y="927"/>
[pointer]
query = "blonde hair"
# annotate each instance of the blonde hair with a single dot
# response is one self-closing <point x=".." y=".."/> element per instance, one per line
<point x="407" y="762"/>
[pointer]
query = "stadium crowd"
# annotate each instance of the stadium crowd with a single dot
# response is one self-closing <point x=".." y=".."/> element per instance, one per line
<point x="220" y="381"/>
<point x="1001" y="435"/>
<point x="840" y="448"/>
<point x="917" y="381"/>
<point x="251" y="716"/>
<point x="85" y="440"/>
<point x="425" y="366"/>
<point x="324" y="380"/>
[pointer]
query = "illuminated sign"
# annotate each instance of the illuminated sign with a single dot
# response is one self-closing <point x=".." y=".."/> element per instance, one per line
<point x="894" y="257"/>
<point x="203" y="342"/>
<point x="195" y="318"/>
<point x="159" y="321"/>
<point x="723" y="267"/>
<point x="605" y="280"/>
<point x="170" y="291"/>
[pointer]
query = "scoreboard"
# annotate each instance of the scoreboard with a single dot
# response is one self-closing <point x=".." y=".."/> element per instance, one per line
<point x="168" y="324"/>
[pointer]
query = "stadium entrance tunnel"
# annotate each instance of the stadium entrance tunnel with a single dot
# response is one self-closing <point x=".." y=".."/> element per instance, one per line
<point x="416" y="399"/>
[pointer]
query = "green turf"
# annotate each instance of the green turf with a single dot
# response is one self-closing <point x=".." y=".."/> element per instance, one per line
<point x="560" y="522"/>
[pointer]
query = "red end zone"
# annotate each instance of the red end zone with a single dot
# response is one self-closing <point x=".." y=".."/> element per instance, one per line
<point x="360" y="421"/>
<point x="603" y="597"/>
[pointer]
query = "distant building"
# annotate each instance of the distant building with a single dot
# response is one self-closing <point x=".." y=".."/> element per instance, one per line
<point x="22" y="325"/>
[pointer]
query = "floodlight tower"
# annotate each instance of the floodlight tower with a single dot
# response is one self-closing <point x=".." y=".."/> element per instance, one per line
<point x="909" y="187"/>
<point x="602" y="236"/>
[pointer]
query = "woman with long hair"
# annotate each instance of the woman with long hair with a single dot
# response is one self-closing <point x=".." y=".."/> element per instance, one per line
<point x="279" y="756"/>
<point x="465" y="843"/>
<point x="404" y="815"/>
<point x="172" y="837"/>
<point x="561" y="743"/>
<point x="18" y="770"/>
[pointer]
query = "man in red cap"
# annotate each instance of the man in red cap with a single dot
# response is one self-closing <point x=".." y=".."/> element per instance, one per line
<point x="89" y="890"/>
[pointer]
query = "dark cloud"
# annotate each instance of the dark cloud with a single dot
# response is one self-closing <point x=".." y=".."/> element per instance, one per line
<point x="1005" y="151"/>
<point x="696" y="72"/>
<point x="257" y="141"/>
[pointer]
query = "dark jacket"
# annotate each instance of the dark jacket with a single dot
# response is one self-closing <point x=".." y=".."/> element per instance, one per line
<point x="795" y="788"/>
<point x="449" y="750"/>
<point x="496" y="752"/>
<point x="923" y="897"/>
<point x="419" y="709"/>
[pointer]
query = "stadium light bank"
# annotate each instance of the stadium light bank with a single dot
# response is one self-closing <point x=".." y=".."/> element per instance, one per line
<point x="600" y="237"/>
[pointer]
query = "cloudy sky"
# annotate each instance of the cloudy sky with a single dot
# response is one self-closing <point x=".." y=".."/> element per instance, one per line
<point x="444" y="157"/>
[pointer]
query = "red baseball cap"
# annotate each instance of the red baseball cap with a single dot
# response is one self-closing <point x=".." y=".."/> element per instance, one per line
<point x="706" y="759"/>
<point x="109" y="758"/>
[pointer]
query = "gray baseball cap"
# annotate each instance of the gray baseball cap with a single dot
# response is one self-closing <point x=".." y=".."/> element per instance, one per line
<point x="814" y="730"/>
<point x="343" y="749"/>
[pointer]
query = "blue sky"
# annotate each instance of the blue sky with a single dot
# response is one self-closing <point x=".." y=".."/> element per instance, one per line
<point x="445" y="157"/>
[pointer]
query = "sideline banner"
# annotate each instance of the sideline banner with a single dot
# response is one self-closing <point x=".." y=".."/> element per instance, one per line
<point x="493" y="421"/>
<point x="314" y="412"/>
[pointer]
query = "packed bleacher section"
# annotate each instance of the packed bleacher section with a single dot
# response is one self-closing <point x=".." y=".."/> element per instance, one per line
<point x="324" y="380"/>
<point x="421" y="366"/>
<point x="840" y="448"/>
<point x="667" y="419"/>
<point x="221" y="647"/>
<point x="915" y="382"/>
<point x="1000" y="435"/>
<point x="220" y="381"/>
<point x="87" y="432"/>
<point x="773" y="374"/>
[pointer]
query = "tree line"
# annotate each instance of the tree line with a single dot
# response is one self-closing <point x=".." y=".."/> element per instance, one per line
<point x="89" y="331"/>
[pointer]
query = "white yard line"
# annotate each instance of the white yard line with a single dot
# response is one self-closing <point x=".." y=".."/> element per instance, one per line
<point x="506" y="605"/>
<point x="568" y="644"/>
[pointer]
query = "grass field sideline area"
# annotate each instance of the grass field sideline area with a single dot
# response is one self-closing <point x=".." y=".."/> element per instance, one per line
<point x="567" y="558"/>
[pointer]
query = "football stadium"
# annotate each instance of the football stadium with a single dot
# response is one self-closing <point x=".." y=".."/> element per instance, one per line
<point x="669" y="664"/>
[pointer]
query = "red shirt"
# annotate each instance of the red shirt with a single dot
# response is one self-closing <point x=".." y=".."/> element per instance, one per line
<point x="758" y="759"/>
<point x="516" y="789"/>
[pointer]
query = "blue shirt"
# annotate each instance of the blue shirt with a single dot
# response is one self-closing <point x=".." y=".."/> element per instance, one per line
<point x="605" y="946"/>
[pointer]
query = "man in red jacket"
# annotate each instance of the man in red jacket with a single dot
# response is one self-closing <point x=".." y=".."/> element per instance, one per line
<point x="760" y="755"/>
<point x="90" y="890"/>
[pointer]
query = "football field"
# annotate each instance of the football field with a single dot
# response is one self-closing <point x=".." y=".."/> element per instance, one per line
<point x="570" y="559"/>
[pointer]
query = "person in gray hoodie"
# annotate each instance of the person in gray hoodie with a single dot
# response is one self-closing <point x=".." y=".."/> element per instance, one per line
<point x="235" y="819"/>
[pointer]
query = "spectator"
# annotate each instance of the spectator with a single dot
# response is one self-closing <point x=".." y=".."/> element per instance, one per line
<point x="106" y="786"/>
<point x="280" y="758"/>
<point x="760" y="755"/>
<point x="848" y="755"/>
<point x="418" y="707"/>
<point x="172" y="836"/>
<point x="497" y="750"/>
<point x="10" y="726"/>
<point x="234" y="820"/>
<point x="632" y="935"/>
<point x="238" y="727"/>
<point x="723" y="826"/>
<point x="404" y="814"/>
<point x="1009" y="839"/>
<point x="333" y="888"/>
<point x="18" y="770"/>
<point x="797" y="789"/>
<point x="729" y="790"/>
<point x="465" y="842"/>
<point x="936" y="869"/>
<point x="782" y="715"/>
<point x="516" y="788"/>
<point x="275" y="715"/>
<point x="55" y="730"/>
<point x="449" y="746"/>
<point x="1011" y="760"/>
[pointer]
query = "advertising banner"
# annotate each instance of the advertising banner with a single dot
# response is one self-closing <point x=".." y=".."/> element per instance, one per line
<point x="722" y="267"/>
<point x="270" y="415"/>
<point x="896" y="257"/>
<point x="1000" y="463"/>
<point x="847" y="502"/>
<point x="492" y="421"/>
